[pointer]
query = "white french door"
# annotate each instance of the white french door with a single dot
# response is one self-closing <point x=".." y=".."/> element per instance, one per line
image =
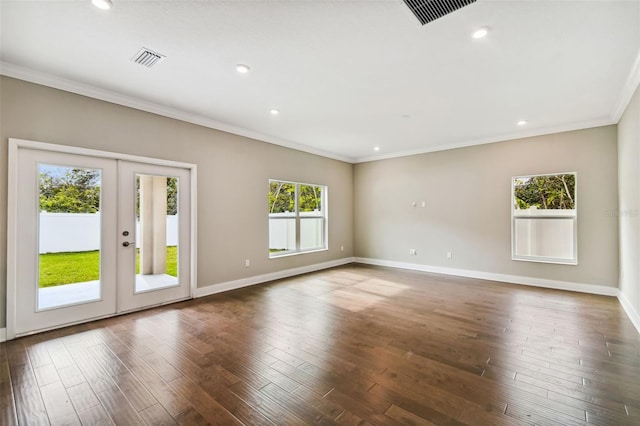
<point x="154" y="235"/>
<point x="92" y="236"/>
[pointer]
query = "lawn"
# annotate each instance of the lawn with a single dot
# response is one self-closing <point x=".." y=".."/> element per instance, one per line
<point x="67" y="268"/>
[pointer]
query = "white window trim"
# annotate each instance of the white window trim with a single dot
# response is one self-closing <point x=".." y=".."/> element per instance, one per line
<point x="545" y="214"/>
<point x="323" y="214"/>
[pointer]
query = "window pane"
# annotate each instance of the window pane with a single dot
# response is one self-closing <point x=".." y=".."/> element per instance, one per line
<point x="549" y="238"/>
<point x="282" y="235"/>
<point x="310" y="199"/>
<point x="311" y="233"/>
<point x="544" y="218"/>
<point x="282" y="197"/>
<point x="156" y="232"/>
<point x="69" y="236"/>
<point x="550" y="192"/>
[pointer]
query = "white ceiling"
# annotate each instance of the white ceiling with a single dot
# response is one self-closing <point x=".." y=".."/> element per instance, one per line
<point x="347" y="75"/>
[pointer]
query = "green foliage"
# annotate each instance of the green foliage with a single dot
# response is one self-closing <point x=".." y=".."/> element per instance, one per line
<point x="282" y="197"/>
<point x="78" y="191"/>
<point x="546" y="192"/>
<point x="74" y="191"/>
<point x="172" y="196"/>
<point x="310" y="198"/>
<point x="78" y="267"/>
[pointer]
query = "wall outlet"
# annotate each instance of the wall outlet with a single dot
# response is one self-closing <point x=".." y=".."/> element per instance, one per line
<point x="423" y="204"/>
<point x="341" y="248"/>
<point x="449" y="255"/>
<point x="247" y="263"/>
<point x="412" y="251"/>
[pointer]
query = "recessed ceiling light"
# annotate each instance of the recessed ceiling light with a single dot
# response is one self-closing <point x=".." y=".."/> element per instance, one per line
<point x="480" y="32"/>
<point x="242" y="68"/>
<point x="522" y="122"/>
<point x="376" y="148"/>
<point x="274" y="111"/>
<point x="102" y="4"/>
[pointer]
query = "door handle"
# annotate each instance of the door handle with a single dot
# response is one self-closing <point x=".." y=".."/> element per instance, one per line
<point x="127" y="244"/>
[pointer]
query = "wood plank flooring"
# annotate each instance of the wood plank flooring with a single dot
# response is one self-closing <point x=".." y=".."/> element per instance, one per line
<point x="354" y="345"/>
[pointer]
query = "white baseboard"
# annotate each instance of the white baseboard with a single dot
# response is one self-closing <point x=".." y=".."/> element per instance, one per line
<point x="3" y="335"/>
<point x="511" y="279"/>
<point x="258" y="279"/>
<point x="630" y="310"/>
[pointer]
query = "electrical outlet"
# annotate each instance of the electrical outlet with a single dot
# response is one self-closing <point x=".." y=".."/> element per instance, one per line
<point x="449" y="255"/>
<point x="412" y="251"/>
<point x="341" y="248"/>
<point x="247" y="263"/>
<point x="423" y="204"/>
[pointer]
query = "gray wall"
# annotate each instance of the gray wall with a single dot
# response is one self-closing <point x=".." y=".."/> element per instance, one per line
<point x="233" y="173"/>
<point x="467" y="194"/>
<point x="629" y="190"/>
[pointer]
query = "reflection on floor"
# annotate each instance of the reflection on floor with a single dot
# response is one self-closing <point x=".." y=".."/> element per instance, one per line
<point x="70" y="294"/>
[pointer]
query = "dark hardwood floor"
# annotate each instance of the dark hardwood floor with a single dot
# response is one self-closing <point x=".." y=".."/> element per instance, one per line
<point x="350" y="345"/>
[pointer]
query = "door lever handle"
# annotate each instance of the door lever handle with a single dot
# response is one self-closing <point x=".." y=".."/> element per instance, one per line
<point x="127" y="244"/>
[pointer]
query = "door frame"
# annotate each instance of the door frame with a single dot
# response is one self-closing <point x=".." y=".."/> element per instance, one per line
<point x="12" y="214"/>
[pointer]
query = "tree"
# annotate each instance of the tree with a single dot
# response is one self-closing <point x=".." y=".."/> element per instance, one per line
<point x="310" y="197"/>
<point x="282" y="197"/>
<point x="72" y="191"/>
<point x="546" y="192"/>
<point x="172" y="196"/>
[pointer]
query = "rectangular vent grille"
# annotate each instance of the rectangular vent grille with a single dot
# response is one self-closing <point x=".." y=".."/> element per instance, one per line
<point x="430" y="10"/>
<point x="148" y="58"/>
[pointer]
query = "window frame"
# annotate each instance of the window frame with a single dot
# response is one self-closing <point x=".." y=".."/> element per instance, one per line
<point x="544" y="216"/>
<point x="299" y="217"/>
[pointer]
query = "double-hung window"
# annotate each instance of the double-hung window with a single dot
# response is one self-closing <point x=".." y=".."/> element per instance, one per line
<point x="297" y="217"/>
<point x="544" y="218"/>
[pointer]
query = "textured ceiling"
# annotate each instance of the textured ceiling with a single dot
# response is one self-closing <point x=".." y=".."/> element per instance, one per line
<point x="346" y="75"/>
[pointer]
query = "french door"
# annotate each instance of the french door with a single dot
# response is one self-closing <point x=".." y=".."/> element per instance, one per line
<point x="94" y="237"/>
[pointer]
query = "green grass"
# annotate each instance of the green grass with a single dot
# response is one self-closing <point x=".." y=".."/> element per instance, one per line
<point x="77" y="267"/>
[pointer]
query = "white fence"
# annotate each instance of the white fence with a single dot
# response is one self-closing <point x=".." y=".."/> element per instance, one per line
<point x="68" y="232"/>
<point x="538" y="235"/>
<point x="282" y="233"/>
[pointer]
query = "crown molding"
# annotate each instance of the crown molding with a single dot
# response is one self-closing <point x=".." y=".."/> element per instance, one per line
<point x="581" y="125"/>
<point x="50" y="80"/>
<point x="629" y="88"/>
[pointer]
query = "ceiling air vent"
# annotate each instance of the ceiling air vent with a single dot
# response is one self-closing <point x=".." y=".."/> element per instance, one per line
<point x="430" y="10"/>
<point x="147" y="58"/>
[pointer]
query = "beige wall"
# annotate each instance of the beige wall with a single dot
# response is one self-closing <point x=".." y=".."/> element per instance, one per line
<point x="467" y="195"/>
<point x="629" y="195"/>
<point x="233" y="173"/>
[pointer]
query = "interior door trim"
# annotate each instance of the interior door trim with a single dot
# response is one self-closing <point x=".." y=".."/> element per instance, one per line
<point x="12" y="213"/>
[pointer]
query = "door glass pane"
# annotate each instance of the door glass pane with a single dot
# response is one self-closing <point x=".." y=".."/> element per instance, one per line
<point x="69" y="236"/>
<point x="156" y="232"/>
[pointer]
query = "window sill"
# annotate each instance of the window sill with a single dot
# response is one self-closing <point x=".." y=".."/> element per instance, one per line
<point x="545" y="260"/>
<point x="276" y="255"/>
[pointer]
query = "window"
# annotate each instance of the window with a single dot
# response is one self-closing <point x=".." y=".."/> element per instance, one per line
<point x="544" y="218"/>
<point x="297" y="218"/>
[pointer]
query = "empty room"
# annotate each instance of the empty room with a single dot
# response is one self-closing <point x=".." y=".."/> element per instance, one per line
<point x="290" y="212"/>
